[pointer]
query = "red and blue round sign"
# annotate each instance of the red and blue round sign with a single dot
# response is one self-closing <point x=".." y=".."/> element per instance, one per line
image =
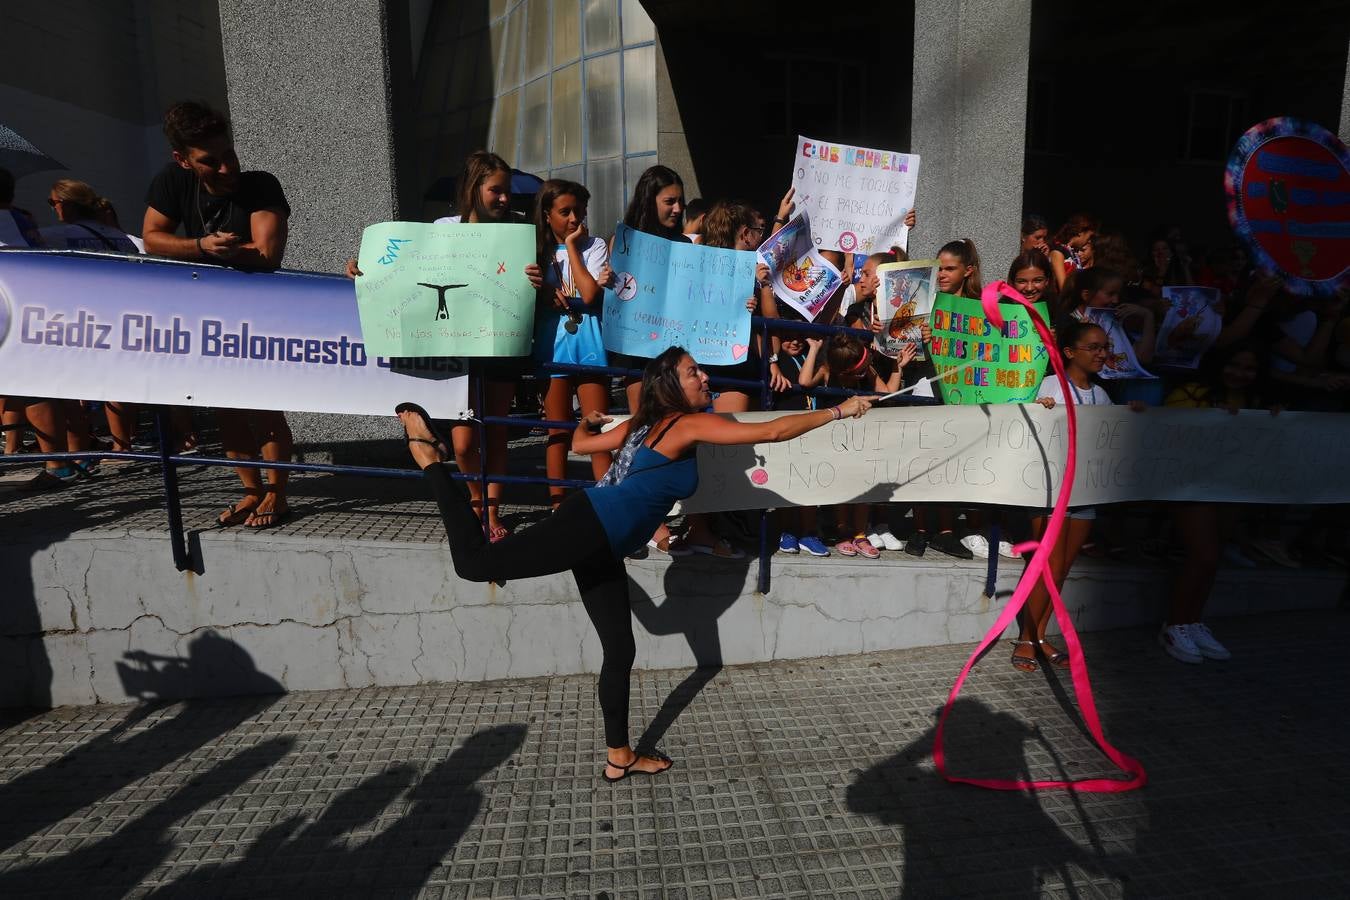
<point x="1288" y="186"/>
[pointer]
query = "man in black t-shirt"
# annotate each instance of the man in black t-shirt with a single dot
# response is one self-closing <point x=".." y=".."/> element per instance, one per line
<point x="236" y="219"/>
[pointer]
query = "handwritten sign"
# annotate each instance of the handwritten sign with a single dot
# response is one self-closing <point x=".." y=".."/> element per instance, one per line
<point x="1189" y="329"/>
<point x="857" y="197"/>
<point x="1010" y="360"/>
<point x="446" y="290"/>
<point x="904" y="302"/>
<point x="1120" y="359"/>
<point x="1014" y="455"/>
<point x="670" y="293"/>
<point x="802" y="278"/>
<point x="1288" y="186"/>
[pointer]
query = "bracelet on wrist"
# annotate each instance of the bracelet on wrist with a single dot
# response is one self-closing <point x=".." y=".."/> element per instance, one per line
<point x="836" y="413"/>
<point x="200" y="250"/>
<point x="780" y="221"/>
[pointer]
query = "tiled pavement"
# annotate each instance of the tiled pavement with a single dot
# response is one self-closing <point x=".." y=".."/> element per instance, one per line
<point x="805" y="779"/>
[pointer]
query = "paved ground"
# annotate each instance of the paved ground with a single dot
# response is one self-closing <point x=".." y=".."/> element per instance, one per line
<point x="808" y="779"/>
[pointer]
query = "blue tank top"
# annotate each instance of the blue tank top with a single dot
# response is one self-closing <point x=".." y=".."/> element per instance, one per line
<point x="631" y="510"/>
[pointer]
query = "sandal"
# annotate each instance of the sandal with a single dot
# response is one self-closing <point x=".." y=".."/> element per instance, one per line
<point x="1025" y="663"/>
<point x="1059" y="659"/>
<point x="629" y="770"/>
<point x="439" y="443"/>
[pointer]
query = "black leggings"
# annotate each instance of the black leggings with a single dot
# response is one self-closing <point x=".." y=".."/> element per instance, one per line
<point x="572" y="538"/>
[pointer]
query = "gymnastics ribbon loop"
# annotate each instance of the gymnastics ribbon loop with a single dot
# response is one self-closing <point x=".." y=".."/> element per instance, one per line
<point x="1038" y="569"/>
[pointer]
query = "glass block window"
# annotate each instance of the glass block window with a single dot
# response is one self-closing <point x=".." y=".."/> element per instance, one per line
<point x="568" y="88"/>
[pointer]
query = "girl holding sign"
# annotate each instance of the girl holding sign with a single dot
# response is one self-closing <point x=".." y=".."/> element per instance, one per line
<point x="595" y="529"/>
<point x="1085" y="346"/>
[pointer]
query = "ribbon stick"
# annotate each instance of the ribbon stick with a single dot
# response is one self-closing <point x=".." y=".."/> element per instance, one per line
<point x="1038" y="569"/>
<point x="931" y="378"/>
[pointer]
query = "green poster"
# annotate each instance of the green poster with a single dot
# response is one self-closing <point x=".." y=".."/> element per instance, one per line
<point x="1008" y="361"/>
<point x="446" y="290"/>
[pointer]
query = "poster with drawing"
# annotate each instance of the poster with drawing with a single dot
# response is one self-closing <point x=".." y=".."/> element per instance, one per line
<point x="1120" y="359"/>
<point x="903" y="304"/>
<point x="802" y="278"/>
<point x="1191" y="326"/>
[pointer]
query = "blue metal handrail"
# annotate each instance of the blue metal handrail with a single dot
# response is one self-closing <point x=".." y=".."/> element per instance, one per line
<point x="169" y="462"/>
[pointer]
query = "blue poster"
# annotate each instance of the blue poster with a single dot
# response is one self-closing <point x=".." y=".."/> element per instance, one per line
<point x="667" y="293"/>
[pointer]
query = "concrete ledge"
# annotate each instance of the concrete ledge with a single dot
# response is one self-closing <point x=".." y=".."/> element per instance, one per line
<point x="314" y="615"/>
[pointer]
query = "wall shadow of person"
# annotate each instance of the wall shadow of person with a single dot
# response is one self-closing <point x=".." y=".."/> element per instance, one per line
<point x="696" y="592"/>
<point x="395" y="862"/>
<point x="128" y="752"/>
<point x="943" y="822"/>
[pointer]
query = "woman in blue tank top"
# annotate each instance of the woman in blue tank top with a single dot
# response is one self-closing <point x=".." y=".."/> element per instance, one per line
<point x="593" y="530"/>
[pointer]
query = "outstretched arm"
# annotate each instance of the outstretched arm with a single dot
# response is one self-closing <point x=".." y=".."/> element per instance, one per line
<point x="588" y="438"/>
<point x="710" y="428"/>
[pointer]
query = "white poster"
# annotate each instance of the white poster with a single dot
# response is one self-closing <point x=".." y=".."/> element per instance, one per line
<point x="146" y="331"/>
<point x="802" y="278"/>
<point x="1120" y="359"/>
<point x="1189" y="329"/>
<point x="857" y="197"/>
<point x="1014" y="455"/>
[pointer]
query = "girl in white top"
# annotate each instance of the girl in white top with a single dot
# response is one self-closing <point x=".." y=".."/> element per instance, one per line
<point x="1085" y="348"/>
<point x="567" y="323"/>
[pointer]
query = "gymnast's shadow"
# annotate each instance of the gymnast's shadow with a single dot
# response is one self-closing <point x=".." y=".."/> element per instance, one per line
<point x="696" y="592"/>
<point x="949" y="830"/>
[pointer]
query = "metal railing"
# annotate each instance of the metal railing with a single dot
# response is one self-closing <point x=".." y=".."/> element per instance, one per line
<point x="764" y="327"/>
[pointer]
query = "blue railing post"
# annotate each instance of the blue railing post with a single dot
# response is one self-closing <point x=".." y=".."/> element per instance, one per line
<point x="991" y="575"/>
<point x="169" y="470"/>
<point x="482" y="450"/>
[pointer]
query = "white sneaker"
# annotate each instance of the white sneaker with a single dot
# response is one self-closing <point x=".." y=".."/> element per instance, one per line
<point x="1206" y="643"/>
<point x="1005" y="550"/>
<point x="1177" y="641"/>
<point x="874" y="538"/>
<point x="977" y="544"/>
<point x="884" y="538"/>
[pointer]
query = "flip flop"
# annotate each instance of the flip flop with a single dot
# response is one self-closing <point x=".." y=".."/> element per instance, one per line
<point x="234" y="516"/>
<point x="441" y="442"/>
<point x="278" y="518"/>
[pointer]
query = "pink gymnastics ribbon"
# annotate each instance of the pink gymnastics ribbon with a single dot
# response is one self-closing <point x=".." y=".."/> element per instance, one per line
<point x="1039" y="568"/>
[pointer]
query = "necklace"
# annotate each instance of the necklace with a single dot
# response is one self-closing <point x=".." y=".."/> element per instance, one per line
<point x="1078" y="395"/>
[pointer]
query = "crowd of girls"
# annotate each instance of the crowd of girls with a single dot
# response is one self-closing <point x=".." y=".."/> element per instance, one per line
<point x="1296" y="352"/>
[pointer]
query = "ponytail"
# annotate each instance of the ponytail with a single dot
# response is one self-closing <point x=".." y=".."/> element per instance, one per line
<point x="964" y="250"/>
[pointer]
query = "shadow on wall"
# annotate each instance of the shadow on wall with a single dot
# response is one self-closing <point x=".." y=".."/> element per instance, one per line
<point x="151" y="737"/>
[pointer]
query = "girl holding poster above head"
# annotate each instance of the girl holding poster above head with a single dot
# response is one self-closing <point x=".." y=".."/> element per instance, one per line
<point x="1085" y="347"/>
<point x="1098" y="289"/>
<point x="483" y="195"/>
<point x="595" y="529"/>
<point x="567" y="325"/>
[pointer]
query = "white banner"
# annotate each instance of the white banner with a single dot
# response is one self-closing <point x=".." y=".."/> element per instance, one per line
<point x="857" y="197"/>
<point x="1014" y="455"/>
<point x="102" y="327"/>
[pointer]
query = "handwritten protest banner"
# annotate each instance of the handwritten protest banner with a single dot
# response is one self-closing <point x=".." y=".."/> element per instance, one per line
<point x="144" y="331"/>
<point x="1189" y="329"/>
<point x="857" y="197"/>
<point x="1010" y="360"/>
<point x="1014" y="455"/>
<point x="802" y="278"/>
<point x="667" y="293"/>
<point x="446" y="290"/>
<point x="1120" y="359"/>
<point x="1288" y="187"/>
<point x="904" y="302"/>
